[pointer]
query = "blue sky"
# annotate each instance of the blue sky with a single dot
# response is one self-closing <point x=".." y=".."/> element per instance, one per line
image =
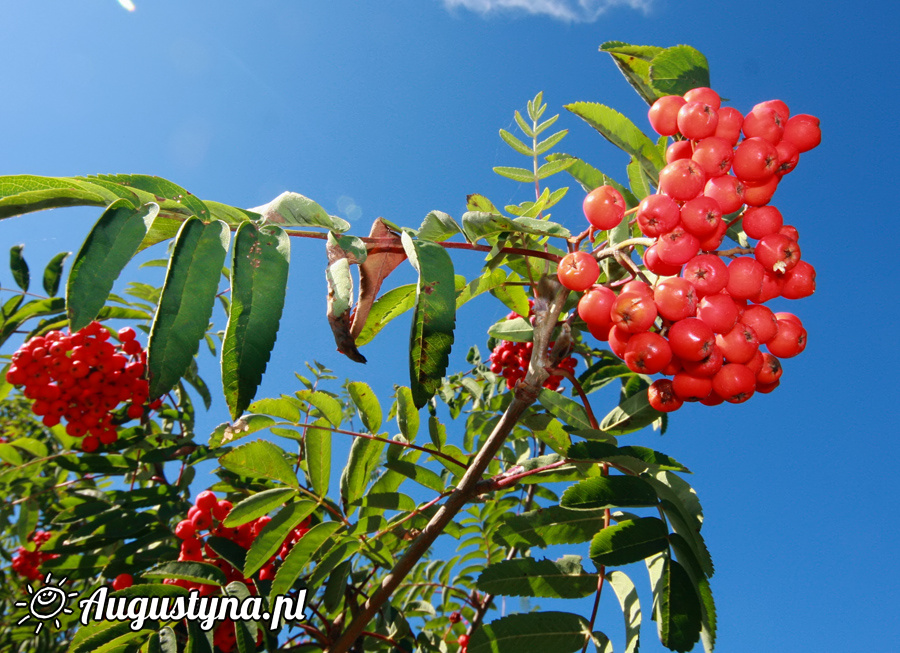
<point x="392" y="109"/>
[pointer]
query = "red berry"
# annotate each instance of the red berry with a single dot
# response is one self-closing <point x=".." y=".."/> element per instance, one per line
<point x="682" y="180"/>
<point x="697" y="120"/>
<point x="745" y="277"/>
<point x="735" y="383"/>
<point x="647" y="353"/>
<point x="578" y="271"/>
<point x="714" y="155"/>
<point x="755" y="160"/>
<point x="701" y="216"/>
<point x="604" y="207"/>
<point x="760" y="221"/>
<point x="122" y="581"/>
<point x="633" y="312"/>
<point x="663" y="114"/>
<point x="727" y="190"/>
<point x="662" y="396"/>
<point x="803" y="131"/>
<point x="691" y="339"/>
<point x="729" y="125"/>
<point x="799" y="282"/>
<point x="675" y="298"/>
<point x="595" y="305"/>
<point x="657" y="214"/>
<point x="707" y="273"/>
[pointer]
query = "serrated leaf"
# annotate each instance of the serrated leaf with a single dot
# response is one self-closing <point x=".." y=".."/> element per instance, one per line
<point x="259" y="271"/>
<point x="329" y="407"/>
<point x="634" y="63"/>
<point x="590" y="178"/>
<point x="627" y="595"/>
<point x="296" y="210"/>
<point x="480" y="224"/>
<point x="516" y="174"/>
<point x="547" y="144"/>
<point x="318" y="456"/>
<point x="629" y="541"/>
<point x="197" y="572"/>
<point x="301" y="554"/>
<point x="632" y="414"/>
<point x="19" y="267"/>
<point x="361" y="462"/>
<point x="548" y="632"/>
<point x="421" y="475"/>
<point x="637" y="179"/>
<point x="366" y="404"/>
<point x="246" y="425"/>
<point x="561" y="579"/>
<point x="171" y="197"/>
<point x="480" y="203"/>
<point x="677" y="608"/>
<point x="21" y="194"/>
<point x="186" y="302"/>
<point x="675" y="71"/>
<point x="390" y="305"/>
<point x="516" y="330"/>
<point x="112" y="242"/>
<point x="260" y="459"/>
<point x="548" y="526"/>
<point x="622" y="133"/>
<point x="438" y="226"/>
<point x="609" y="492"/>
<point x="434" y="317"/>
<point x="564" y="409"/>
<point x="515" y="143"/>
<point x="541" y="227"/>
<point x="273" y="534"/>
<point x="407" y="413"/>
<point x="257" y="505"/>
<point x="552" y="167"/>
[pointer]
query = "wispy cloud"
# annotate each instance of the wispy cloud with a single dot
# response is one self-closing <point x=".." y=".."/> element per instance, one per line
<point x="580" y="11"/>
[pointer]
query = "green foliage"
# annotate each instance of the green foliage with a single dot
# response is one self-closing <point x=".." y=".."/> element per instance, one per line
<point x="420" y="527"/>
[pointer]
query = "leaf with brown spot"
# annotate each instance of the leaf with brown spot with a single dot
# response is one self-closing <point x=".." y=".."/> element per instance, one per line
<point x="340" y="298"/>
<point x="380" y="262"/>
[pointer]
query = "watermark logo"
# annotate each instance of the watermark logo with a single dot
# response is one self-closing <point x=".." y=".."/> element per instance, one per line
<point x="47" y="603"/>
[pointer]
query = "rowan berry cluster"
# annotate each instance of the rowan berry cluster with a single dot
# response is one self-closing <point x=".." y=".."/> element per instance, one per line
<point x="205" y="518"/>
<point x="82" y="377"/>
<point x="511" y="359"/>
<point x="703" y="320"/>
<point x="27" y="563"/>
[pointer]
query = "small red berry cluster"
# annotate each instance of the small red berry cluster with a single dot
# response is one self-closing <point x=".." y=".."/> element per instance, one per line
<point x="82" y="377"/>
<point x="703" y="321"/>
<point x="27" y="563"/>
<point x="207" y="515"/>
<point x="511" y="359"/>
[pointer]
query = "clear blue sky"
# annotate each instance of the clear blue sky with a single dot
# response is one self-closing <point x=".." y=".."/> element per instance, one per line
<point x="392" y="109"/>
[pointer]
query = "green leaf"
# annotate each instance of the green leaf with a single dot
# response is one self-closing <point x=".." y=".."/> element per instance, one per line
<point x="675" y="71"/>
<point x="434" y="318"/>
<point x="541" y="227"/>
<point x="111" y="243"/>
<point x="286" y="408"/>
<point x="516" y="174"/>
<point x="407" y="413"/>
<point x="564" y="409"/>
<point x="273" y="534"/>
<point x="637" y="179"/>
<point x="634" y="63"/>
<point x="561" y="579"/>
<point x="632" y="414"/>
<point x="419" y="474"/>
<point x="635" y="459"/>
<point x="246" y="425"/>
<point x="516" y="330"/>
<point x="26" y="193"/>
<point x="548" y="632"/>
<point x="295" y="210"/>
<point x="19" y="267"/>
<point x="523" y="125"/>
<point x="366" y="404"/>
<point x="515" y="143"/>
<point x="438" y="226"/>
<point x="363" y="459"/>
<point x="52" y="273"/>
<point x="186" y="302"/>
<point x="609" y="492"/>
<point x="552" y="167"/>
<point x="631" y="608"/>
<point x="622" y="133"/>
<point x="390" y="305"/>
<point x="197" y="572"/>
<point x="301" y="554"/>
<point x="259" y="271"/>
<point x="479" y="224"/>
<point x="590" y="178"/>
<point x="629" y="541"/>
<point x="547" y="144"/>
<point x="318" y="456"/>
<point x="171" y="197"/>
<point x="677" y="608"/>
<point x="329" y="407"/>
<point x="548" y="526"/>
<point x="260" y="459"/>
<point x="258" y="504"/>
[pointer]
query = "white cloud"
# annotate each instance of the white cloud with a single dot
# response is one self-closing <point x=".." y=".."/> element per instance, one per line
<point x="566" y="10"/>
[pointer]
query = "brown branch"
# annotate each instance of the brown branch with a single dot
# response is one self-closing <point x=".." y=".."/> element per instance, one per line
<point x="551" y="298"/>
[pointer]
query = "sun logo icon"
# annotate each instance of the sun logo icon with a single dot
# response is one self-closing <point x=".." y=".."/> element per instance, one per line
<point x="47" y="603"/>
